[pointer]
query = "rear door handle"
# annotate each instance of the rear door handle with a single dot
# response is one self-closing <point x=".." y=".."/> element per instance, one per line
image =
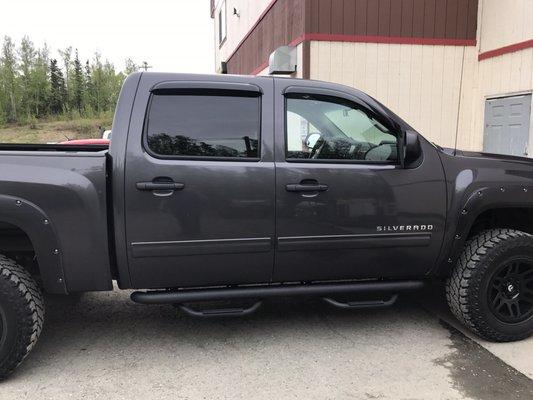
<point x="298" y="187"/>
<point x="160" y="186"/>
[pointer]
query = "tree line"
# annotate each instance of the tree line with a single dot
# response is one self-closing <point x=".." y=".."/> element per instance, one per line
<point x="35" y="85"/>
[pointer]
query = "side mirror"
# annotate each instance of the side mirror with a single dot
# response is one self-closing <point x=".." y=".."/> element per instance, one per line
<point x="412" y="150"/>
<point x="310" y="140"/>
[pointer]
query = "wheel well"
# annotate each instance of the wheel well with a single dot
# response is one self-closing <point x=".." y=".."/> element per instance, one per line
<point x="515" y="218"/>
<point x="16" y="244"/>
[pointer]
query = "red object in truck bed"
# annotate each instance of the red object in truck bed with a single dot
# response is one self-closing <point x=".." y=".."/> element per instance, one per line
<point x="86" y="141"/>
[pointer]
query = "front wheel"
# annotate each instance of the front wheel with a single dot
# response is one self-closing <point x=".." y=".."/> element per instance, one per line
<point x="491" y="288"/>
<point x="21" y="314"/>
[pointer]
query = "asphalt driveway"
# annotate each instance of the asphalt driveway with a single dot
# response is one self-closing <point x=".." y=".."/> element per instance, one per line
<point x="104" y="346"/>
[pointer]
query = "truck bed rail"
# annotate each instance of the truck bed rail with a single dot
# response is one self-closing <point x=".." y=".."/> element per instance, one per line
<point x="52" y="147"/>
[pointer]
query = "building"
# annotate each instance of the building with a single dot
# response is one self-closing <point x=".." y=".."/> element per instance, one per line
<point x="459" y="71"/>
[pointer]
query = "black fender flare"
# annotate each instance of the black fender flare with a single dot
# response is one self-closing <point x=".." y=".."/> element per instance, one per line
<point x="28" y="217"/>
<point x="471" y="207"/>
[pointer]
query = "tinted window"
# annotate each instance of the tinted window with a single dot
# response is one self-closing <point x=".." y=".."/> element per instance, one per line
<point x="204" y="125"/>
<point x="334" y="129"/>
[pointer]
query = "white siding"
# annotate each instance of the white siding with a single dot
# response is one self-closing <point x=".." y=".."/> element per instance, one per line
<point x="468" y="138"/>
<point x="505" y="22"/>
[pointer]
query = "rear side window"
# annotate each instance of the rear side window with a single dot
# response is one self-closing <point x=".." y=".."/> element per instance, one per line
<point x="206" y="125"/>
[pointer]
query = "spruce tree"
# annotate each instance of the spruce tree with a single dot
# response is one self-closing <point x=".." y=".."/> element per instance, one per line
<point x="78" y="84"/>
<point x="57" y="89"/>
<point x="89" y="87"/>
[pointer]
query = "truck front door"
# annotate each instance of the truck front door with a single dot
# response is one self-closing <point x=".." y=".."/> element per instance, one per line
<point x="345" y="207"/>
<point x="199" y="186"/>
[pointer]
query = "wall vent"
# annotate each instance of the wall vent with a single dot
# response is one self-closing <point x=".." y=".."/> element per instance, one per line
<point x="282" y="61"/>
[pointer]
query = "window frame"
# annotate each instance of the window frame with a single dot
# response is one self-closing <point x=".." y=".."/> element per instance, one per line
<point x="222" y="15"/>
<point x="192" y="91"/>
<point x="328" y="97"/>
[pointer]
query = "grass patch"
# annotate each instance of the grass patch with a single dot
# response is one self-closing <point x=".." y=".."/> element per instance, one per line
<point x="53" y="131"/>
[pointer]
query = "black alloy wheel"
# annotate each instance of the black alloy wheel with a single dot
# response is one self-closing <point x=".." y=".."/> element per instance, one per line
<point x="511" y="291"/>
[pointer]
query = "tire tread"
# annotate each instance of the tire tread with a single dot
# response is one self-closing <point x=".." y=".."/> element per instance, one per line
<point x="25" y="296"/>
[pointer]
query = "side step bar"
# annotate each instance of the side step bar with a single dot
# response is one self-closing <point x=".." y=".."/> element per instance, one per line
<point x="221" y="312"/>
<point x="356" y="305"/>
<point x="261" y="292"/>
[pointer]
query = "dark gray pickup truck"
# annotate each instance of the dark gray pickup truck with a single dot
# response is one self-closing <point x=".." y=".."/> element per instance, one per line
<point x="230" y="190"/>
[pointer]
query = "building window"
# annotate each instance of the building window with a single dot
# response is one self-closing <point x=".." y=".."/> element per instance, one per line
<point x="222" y="27"/>
<point x="212" y="125"/>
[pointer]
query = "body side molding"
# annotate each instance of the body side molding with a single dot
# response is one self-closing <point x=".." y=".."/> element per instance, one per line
<point x="194" y="247"/>
<point x="356" y="241"/>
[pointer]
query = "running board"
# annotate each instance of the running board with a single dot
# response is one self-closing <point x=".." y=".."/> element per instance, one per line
<point x="220" y="312"/>
<point x="260" y="292"/>
<point x="356" y="305"/>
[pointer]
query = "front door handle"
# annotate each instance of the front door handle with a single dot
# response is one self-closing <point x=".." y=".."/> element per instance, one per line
<point x="160" y="186"/>
<point x="299" y="187"/>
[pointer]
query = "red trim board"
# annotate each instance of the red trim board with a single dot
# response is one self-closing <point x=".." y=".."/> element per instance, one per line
<point x="506" y="50"/>
<point x="388" y="39"/>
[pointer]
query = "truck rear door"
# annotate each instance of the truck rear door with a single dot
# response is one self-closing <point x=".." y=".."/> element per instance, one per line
<point x="345" y="207"/>
<point x="199" y="186"/>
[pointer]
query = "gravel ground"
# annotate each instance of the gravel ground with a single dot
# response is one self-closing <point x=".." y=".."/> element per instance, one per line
<point x="101" y="345"/>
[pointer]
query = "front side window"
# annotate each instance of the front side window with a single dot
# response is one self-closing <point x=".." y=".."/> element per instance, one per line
<point x="326" y="128"/>
<point x="196" y="125"/>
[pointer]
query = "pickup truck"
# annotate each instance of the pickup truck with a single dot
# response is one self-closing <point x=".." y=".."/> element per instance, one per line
<point x="228" y="190"/>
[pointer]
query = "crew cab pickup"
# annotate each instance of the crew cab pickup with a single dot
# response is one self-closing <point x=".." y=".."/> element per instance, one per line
<point x="238" y="189"/>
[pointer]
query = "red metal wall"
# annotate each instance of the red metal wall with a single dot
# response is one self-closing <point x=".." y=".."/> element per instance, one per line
<point x="438" y="19"/>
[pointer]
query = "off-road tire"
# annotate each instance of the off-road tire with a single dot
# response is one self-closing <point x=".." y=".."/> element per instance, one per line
<point x="21" y="314"/>
<point x="467" y="287"/>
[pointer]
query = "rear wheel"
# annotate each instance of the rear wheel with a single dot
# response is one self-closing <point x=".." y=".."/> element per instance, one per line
<point x="21" y="314"/>
<point x="491" y="287"/>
